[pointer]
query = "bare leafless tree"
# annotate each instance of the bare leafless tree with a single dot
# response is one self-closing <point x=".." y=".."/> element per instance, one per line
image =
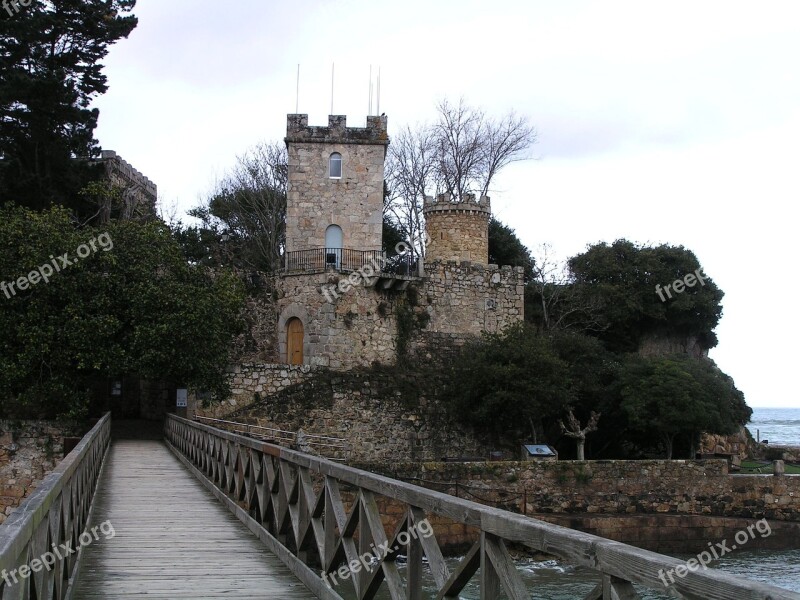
<point x="473" y="148"/>
<point x="550" y="280"/>
<point x="460" y="135"/>
<point x="574" y="430"/>
<point x="461" y="154"/>
<point x="410" y="176"/>
<point x="563" y="305"/>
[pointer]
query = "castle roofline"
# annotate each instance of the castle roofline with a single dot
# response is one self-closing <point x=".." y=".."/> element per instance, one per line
<point x="127" y="171"/>
<point x="446" y="203"/>
<point x="337" y="131"/>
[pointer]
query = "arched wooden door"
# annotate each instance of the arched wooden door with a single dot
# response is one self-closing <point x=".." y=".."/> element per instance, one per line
<point x="294" y="341"/>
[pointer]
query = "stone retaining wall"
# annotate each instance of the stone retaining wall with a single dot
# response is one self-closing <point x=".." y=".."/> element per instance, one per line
<point x="29" y="450"/>
<point x="252" y="382"/>
<point x="610" y="487"/>
<point x="384" y="415"/>
<point x="664" y="506"/>
<point x="681" y="534"/>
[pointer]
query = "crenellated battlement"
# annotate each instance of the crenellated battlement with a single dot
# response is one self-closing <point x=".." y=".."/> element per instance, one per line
<point x="457" y="229"/>
<point x="337" y="131"/>
<point x="446" y="203"/>
<point x="125" y="171"/>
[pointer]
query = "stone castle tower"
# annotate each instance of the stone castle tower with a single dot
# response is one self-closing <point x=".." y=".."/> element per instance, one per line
<point x="457" y="229"/>
<point x="335" y="184"/>
<point x="340" y="302"/>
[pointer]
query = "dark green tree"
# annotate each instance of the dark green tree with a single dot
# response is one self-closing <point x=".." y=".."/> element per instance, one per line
<point x="50" y="72"/>
<point x="200" y="245"/>
<point x="668" y="397"/>
<point x="393" y="234"/>
<point x="505" y="248"/>
<point x="509" y="384"/>
<point x="591" y="383"/>
<point x="621" y="279"/>
<point x="131" y="306"/>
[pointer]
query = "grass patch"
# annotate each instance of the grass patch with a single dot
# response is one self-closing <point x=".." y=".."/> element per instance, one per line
<point x="764" y="468"/>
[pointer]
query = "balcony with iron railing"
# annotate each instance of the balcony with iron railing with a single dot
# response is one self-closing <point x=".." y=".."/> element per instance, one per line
<point x="316" y="260"/>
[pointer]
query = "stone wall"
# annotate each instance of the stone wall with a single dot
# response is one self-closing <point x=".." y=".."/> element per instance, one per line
<point x="258" y="343"/>
<point x="680" y="534"/>
<point x="453" y="538"/>
<point x="29" y="450"/>
<point x="769" y="452"/>
<point x="573" y="494"/>
<point x="351" y="329"/>
<point x="359" y="327"/>
<point x="467" y="299"/>
<point x="670" y="534"/>
<point x="790" y="454"/>
<point x="139" y="193"/>
<point x="674" y="487"/>
<point x="250" y="383"/>
<point x="315" y="200"/>
<point x="663" y="506"/>
<point x="457" y="230"/>
<point x="386" y="416"/>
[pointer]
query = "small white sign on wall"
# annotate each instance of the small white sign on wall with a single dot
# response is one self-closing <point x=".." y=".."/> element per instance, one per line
<point x="183" y="397"/>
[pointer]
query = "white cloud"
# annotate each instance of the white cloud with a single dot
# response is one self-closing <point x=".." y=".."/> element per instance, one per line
<point x="671" y="123"/>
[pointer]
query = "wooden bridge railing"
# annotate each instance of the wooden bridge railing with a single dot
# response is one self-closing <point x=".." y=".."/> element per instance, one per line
<point x="333" y="448"/>
<point x="293" y="503"/>
<point x="39" y="542"/>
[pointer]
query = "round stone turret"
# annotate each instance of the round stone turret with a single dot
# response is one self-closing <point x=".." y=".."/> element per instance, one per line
<point x="457" y="229"/>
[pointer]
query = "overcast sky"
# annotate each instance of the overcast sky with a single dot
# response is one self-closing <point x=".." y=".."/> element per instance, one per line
<point x="660" y="122"/>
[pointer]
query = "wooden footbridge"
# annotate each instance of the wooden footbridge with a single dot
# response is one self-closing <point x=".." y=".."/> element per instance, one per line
<point x="208" y="513"/>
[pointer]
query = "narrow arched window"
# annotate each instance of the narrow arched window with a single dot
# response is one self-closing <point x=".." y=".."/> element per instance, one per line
<point x="335" y="166"/>
<point x="334" y="242"/>
<point x="334" y="237"/>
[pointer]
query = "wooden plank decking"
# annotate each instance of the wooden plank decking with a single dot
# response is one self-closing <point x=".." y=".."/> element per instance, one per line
<point x="172" y="539"/>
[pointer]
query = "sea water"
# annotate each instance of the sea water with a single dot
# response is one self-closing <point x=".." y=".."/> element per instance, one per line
<point x="553" y="580"/>
<point x="781" y="426"/>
